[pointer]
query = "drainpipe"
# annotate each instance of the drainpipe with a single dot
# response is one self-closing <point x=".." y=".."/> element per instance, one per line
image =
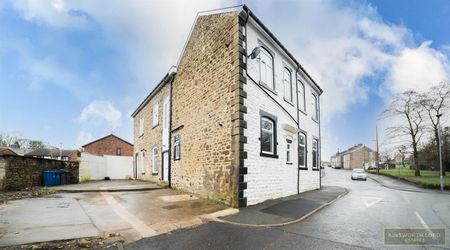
<point x="298" y="126"/>
<point x="320" y="142"/>
<point x="170" y="129"/>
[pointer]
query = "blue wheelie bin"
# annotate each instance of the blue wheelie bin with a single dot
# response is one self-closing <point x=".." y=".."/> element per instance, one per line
<point x="51" y="177"/>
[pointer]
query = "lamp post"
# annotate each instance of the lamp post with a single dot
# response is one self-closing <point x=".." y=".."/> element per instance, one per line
<point x="441" y="178"/>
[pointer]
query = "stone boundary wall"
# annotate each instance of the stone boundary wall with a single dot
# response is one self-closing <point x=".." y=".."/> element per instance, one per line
<point x="19" y="172"/>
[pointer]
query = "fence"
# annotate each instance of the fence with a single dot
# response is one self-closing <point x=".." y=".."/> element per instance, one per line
<point x="93" y="167"/>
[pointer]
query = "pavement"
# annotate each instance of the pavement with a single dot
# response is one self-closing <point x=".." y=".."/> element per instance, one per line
<point x="286" y="210"/>
<point x="109" y="186"/>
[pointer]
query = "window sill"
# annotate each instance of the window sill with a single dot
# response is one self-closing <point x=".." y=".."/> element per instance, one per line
<point x="267" y="87"/>
<point x="154" y="173"/>
<point x="142" y="173"/>
<point x="303" y="112"/>
<point x="154" y="126"/>
<point x="268" y="155"/>
<point x="317" y="121"/>
<point x="302" y="168"/>
<point x="315" y="169"/>
<point x="289" y="102"/>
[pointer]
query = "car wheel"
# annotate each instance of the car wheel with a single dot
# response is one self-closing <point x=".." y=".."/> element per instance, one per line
<point x="365" y="179"/>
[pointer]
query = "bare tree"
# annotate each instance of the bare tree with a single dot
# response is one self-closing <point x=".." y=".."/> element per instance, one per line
<point x="406" y="106"/>
<point x="12" y="140"/>
<point x="435" y="102"/>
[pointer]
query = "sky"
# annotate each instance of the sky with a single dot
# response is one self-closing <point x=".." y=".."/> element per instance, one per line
<point x="74" y="71"/>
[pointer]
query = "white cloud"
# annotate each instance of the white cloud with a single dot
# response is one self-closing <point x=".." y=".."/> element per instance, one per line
<point x="101" y="111"/>
<point x="418" y="68"/>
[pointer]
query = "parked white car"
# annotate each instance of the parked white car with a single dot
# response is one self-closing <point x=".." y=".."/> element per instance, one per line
<point x="359" y="174"/>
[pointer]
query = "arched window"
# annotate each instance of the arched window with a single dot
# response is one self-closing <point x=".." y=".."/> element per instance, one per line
<point x="287" y="84"/>
<point x="266" y="68"/>
<point x="267" y="136"/>
<point x="301" y="96"/>
<point x="302" y="150"/>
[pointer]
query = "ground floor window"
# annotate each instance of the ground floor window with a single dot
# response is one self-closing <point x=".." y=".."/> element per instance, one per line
<point x="288" y="151"/>
<point x="176" y="148"/>
<point x="143" y="162"/>
<point x="155" y="160"/>
<point x="302" y="150"/>
<point x="315" y="155"/>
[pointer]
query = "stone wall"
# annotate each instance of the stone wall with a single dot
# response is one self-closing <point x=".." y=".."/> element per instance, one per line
<point x="204" y="102"/>
<point x="23" y="172"/>
<point x="108" y="146"/>
<point x="151" y="137"/>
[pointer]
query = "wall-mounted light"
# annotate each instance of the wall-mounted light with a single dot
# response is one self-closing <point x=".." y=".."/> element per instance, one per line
<point x="255" y="53"/>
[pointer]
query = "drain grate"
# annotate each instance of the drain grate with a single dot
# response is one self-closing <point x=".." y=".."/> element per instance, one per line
<point x="170" y="207"/>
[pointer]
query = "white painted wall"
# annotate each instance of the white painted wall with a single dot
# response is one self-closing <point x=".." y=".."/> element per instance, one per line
<point x="95" y="167"/>
<point x="270" y="178"/>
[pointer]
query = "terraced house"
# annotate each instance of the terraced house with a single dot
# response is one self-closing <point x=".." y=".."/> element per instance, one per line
<point x="236" y="121"/>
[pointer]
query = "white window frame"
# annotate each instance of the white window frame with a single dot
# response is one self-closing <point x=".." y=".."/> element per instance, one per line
<point x="301" y="96"/>
<point x="288" y="151"/>
<point x="315" y="107"/>
<point x="176" y="148"/>
<point x="287" y="84"/>
<point x="272" y="132"/>
<point x="266" y="68"/>
<point x="300" y="163"/>
<point x="155" y="159"/>
<point x="155" y="114"/>
<point x="143" y="162"/>
<point x="315" y="157"/>
<point x="141" y="125"/>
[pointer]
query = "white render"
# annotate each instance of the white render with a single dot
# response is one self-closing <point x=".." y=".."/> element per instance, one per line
<point x="94" y="167"/>
<point x="270" y="178"/>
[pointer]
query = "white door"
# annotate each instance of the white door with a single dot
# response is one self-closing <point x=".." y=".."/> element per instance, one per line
<point x="166" y="166"/>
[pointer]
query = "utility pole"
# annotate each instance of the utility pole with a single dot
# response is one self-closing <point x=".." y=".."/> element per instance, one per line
<point x="441" y="178"/>
<point x="378" y="152"/>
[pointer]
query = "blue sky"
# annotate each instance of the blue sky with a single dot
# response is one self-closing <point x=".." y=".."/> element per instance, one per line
<point x="72" y="71"/>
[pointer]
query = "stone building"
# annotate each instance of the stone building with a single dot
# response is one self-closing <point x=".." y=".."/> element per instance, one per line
<point x="358" y="156"/>
<point x="236" y="121"/>
<point x="109" y="145"/>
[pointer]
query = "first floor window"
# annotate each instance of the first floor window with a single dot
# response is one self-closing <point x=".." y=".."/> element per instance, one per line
<point x="176" y="147"/>
<point x="267" y="136"/>
<point x="287" y="84"/>
<point x="315" y="107"/>
<point x="302" y="150"/>
<point x="266" y="68"/>
<point x="118" y="151"/>
<point x="315" y="156"/>
<point x="143" y="162"/>
<point x="155" y="114"/>
<point x="141" y="125"/>
<point x="155" y="159"/>
<point x="288" y="151"/>
<point x="301" y="96"/>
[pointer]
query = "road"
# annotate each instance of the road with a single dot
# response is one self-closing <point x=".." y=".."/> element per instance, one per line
<point x="356" y="221"/>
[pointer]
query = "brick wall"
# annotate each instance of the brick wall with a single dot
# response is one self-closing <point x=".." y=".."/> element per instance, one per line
<point x="205" y="91"/>
<point x="19" y="172"/>
<point x="108" y="146"/>
<point x="151" y="137"/>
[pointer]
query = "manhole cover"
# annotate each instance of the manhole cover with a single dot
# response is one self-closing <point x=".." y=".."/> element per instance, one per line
<point x="170" y="207"/>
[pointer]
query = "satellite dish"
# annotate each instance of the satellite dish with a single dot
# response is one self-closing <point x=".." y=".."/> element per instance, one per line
<point x="255" y="53"/>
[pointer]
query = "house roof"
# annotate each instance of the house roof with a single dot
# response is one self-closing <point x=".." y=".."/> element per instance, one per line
<point x="168" y="78"/>
<point x="111" y="135"/>
<point x="245" y="8"/>
<point x="51" y="152"/>
<point x="6" y="151"/>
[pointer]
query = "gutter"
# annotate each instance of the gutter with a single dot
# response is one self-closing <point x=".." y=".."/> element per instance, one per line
<point x="249" y="12"/>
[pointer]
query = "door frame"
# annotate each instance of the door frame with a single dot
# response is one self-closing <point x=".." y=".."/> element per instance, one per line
<point x="162" y="165"/>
